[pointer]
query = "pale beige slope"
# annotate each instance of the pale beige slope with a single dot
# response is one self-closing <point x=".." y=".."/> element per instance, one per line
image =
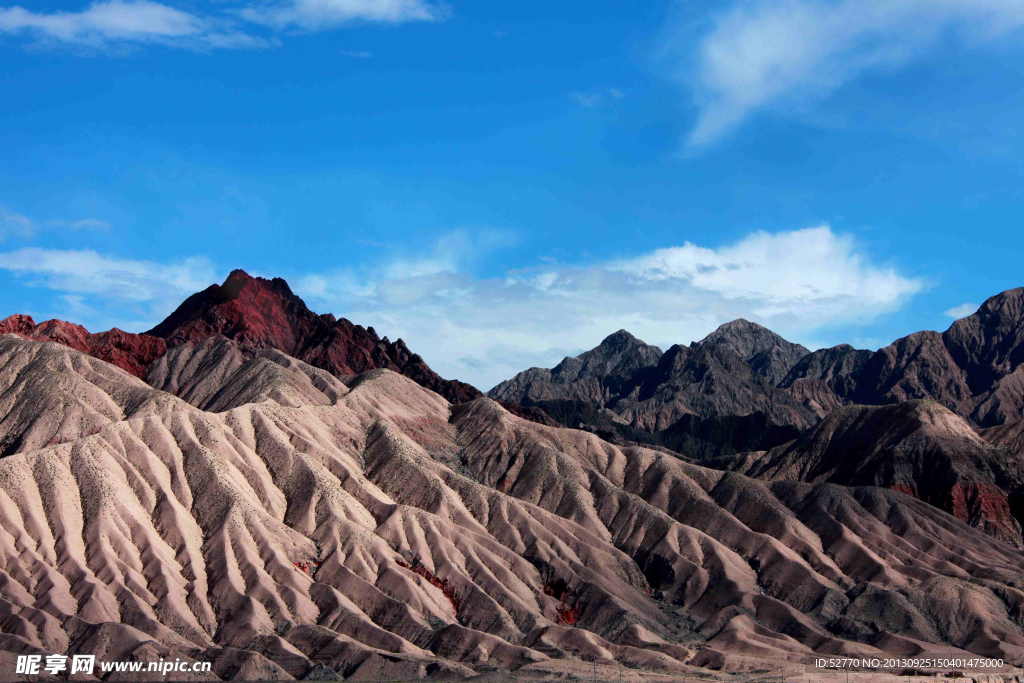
<point x="384" y="536"/>
<point x="178" y="526"/>
<point x="216" y="375"/>
<point x="50" y="394"/>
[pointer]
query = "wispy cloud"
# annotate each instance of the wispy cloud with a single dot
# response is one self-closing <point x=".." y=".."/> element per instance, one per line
<point x="405" y="278"/>
<point x="596" y="97"/>
<point x="321" y="14"/>
<point x="764" y="53"/>
<point x="961" y="311"/>
<point x="125" y="21"/>
<point x="203" y="26"/>
<point x="15" y="225"/>
<point x="80" y="224"/>
<point x="148" y="290"/>
<point x="18" y="225"/>
<point x="484" y="330"/>
<point x="357" y="54"/>
<point x="585" y="99"/>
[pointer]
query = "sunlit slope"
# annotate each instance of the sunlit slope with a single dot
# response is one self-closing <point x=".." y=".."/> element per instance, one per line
<point x="374" y="529"/>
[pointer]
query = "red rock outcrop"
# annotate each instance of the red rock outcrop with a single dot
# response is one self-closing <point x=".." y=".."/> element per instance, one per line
<point x="259" y="313"/>
<point x="256" y="314"/>
<point x="131" y="352"/>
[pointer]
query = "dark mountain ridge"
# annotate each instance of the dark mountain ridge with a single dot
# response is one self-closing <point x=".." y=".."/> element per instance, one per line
<point x="913" y="416"/>
<point x="973" y="368"/>
<point x="768" y="354"/>
<point x="918" y="447"/>
<point x="596" y="376"/>
<point x="675" y="397"/>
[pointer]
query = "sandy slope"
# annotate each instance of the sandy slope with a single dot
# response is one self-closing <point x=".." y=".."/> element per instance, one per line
<point x="51" y="395"/>
<point x="378" y="531"/>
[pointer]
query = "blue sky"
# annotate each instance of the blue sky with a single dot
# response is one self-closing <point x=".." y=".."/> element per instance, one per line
<point x="502" y="185"/>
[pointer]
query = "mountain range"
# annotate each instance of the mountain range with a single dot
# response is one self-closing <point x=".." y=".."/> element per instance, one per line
<point x="744" y="389"/>
<point x="289" y="495"/>
<point x="974" y="369"/>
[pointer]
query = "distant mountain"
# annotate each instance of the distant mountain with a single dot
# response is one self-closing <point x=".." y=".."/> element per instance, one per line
<point x="709" y="379"/>
<point x="595" y="377"/>
<point x="918" y="447"/>
<point x="973" y="368"/>
<point x="675" y="398"/>
<point x="767" y="354"/>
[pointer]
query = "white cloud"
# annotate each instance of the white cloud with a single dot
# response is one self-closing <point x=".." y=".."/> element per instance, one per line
<point x="585" y="99"/>
<point x="15" y="225"/>
<point x="804" y="267"/>
<point x="961" y="311"/>
<point x="486" y="330"/>
<point x="114" y="22"/>
<point x="764" y="52"/>
<point x="125" y="21"/>
<point x="320" y="14"/>
<point x="148" y="289"/>
<point x="405" y="278"/>
<point x="593" y="99"/>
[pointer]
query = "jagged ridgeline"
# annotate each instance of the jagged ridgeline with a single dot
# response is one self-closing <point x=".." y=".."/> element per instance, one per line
<point x="744" y="390"/>
<point x="287" y="495"/>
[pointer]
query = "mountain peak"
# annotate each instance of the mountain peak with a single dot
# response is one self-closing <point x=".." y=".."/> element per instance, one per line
<point x="259" y="313"/>
<point x="746" y="338"/>
<point x="235" y="283"/>
<point x="767" y="353"/>
<point x="617" y="346"/>
<point x="740" y="324"/>
<point x="987" y="344"/>
<point x="620" y="339"/>
<point x="18" y="324"/>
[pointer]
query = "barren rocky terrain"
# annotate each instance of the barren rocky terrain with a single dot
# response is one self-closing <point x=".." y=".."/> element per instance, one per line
<point x="280" y="522"/>
<point x="919" y="447"/>
<point x="934" y="415"/>
<point x="974" y="368"/>
<point x="287" y="495"/>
